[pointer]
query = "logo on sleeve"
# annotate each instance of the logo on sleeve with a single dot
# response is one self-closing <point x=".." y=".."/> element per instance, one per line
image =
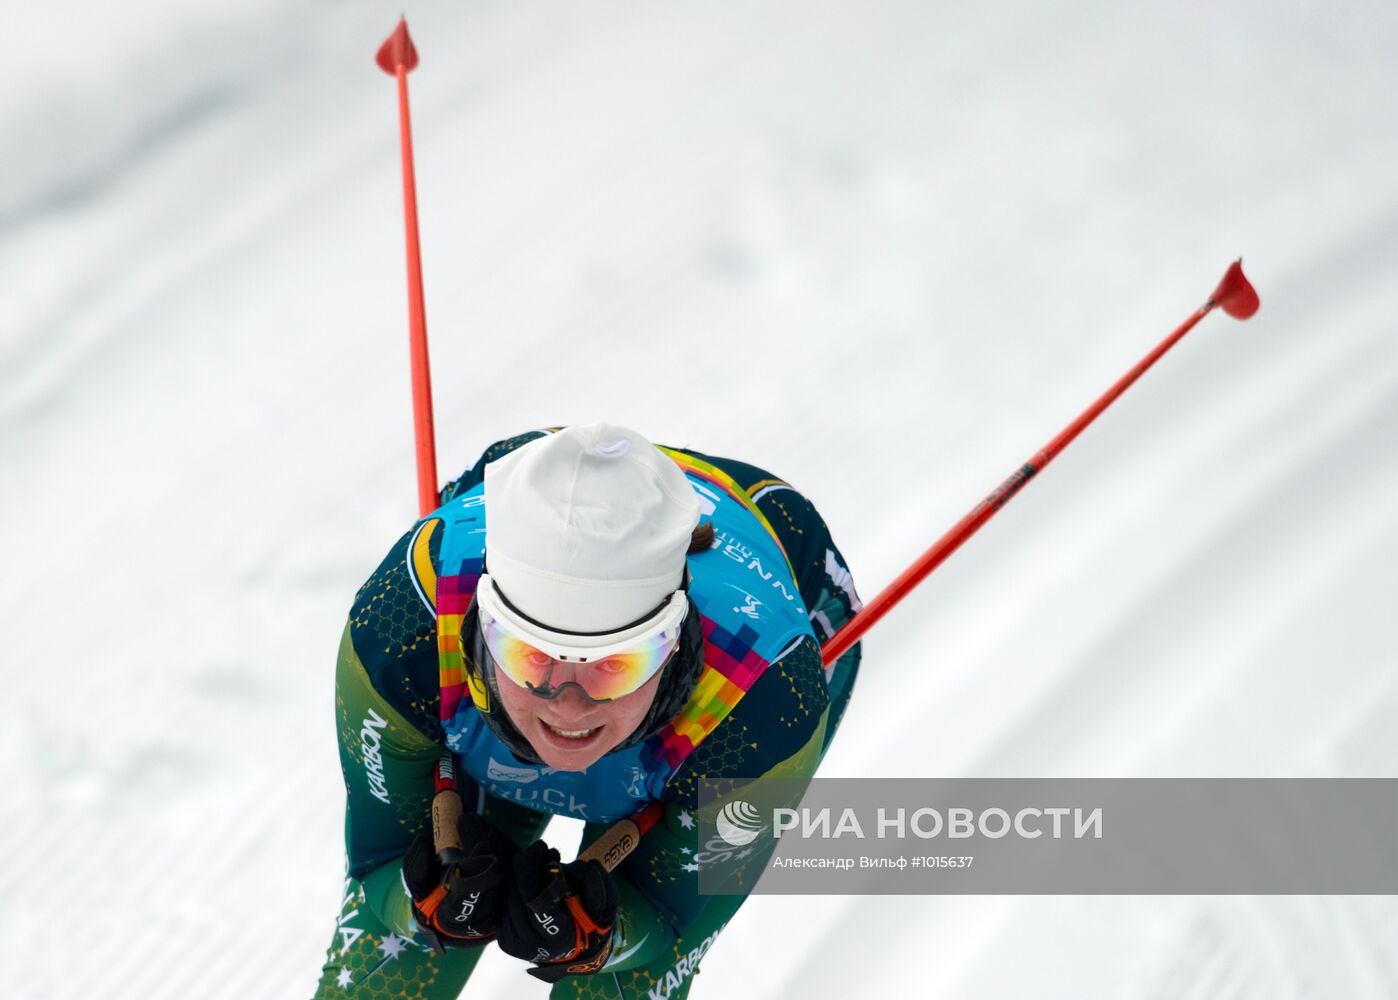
<point x="687" y="966"/>
<point x="371" y="739"/>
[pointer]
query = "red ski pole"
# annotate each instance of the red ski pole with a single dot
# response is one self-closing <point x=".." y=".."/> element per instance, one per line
<point x="1234" y="295"/>
<point x="397" y="57"/>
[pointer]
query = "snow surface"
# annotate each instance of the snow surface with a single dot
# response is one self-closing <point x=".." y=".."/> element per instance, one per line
<point x="886" y="249"/>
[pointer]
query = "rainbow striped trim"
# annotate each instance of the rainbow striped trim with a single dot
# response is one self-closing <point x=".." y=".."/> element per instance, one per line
<point x="730" y="669"/>
<point x="454" y="595"/>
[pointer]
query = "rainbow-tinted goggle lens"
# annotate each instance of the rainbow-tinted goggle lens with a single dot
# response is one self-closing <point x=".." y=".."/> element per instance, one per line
<point x="543" y="661"/>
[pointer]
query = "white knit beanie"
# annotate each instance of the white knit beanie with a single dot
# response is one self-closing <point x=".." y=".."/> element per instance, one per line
<point x="587" y="529"/>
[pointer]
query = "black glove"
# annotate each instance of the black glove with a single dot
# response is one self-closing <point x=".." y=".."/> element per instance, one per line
<point x="460" y="904"/>
<point x="559" y="917"/>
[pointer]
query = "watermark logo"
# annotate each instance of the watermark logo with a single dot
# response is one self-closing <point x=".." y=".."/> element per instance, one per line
<point x="1047" y="835"/>
<point x="739" y="823"/>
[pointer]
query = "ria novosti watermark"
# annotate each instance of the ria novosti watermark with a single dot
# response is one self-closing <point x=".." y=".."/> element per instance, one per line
<point x="1049" y="836"/>
<point x="926" y="822"/>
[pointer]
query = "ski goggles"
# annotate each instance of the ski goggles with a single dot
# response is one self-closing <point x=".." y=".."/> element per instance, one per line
<point x="544" y="661"/>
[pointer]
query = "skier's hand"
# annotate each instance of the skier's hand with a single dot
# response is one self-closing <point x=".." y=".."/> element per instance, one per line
<point x="461" y="903"/>
<point x="559" y="917"/>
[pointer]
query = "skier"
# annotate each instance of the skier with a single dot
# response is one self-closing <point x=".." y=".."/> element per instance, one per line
<point x="627" y="620"/>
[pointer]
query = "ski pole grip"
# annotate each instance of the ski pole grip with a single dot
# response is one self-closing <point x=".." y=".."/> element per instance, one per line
<point x="446" y="814"/>
<point x="446" y="837"/>
<point x="621" y="839"/>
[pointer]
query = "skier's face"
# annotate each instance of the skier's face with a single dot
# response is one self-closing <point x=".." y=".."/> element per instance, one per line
<point x="603" y="724"/>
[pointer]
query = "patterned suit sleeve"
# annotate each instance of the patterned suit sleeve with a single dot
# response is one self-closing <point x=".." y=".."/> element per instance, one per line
<point x="387" y="766"/>
<point x="386" y="703"/>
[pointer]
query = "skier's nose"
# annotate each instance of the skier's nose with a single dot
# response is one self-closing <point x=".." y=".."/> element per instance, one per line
<point x="571" y="701"/>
